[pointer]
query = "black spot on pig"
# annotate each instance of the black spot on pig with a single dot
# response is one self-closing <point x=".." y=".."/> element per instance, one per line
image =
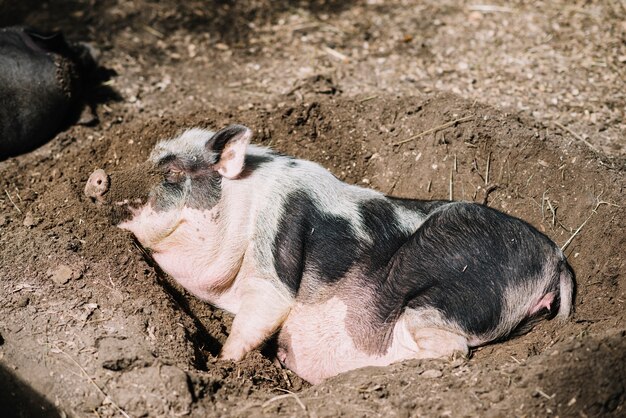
<point x="42" y="78"/>
<point x="168" y="196"/>
<point x="462" y="261"/>
<point x="327" y="246"/>
<point x="311" y="241"/>
<point x="218" y="141"/>
<point x="253" y="162"/>
<point x="165" y="161"/>
<point x="382" y="225"/>
<point x="206" y="191"/>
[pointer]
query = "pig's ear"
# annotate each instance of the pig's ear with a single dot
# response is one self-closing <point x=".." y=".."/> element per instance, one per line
<point x="230" y="146"/>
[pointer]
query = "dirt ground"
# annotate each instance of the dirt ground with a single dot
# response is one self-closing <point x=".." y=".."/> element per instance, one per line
<point x="520" y="105"/>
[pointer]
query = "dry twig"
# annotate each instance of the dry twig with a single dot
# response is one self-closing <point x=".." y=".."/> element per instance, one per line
<point x="367" y="99"/>
<point x="487" y="169"/>
<point x="11" y="200"/>
<point x="288" y="394"/>
<point x="153" y="32"/>
<point x="599" y="202"/>
<point x="489" y="8"/>
<point x="435" y="129"/>
<point x="553" y="212"/>
<point x="451" y="183"/>
<point x="575" y="135"/>
<point x="542" y="393"/>
<point x="488" y="190"/>
<point x="569" y="241"/>
<point x="335" y="54"/>
<point x="116" y="406"/>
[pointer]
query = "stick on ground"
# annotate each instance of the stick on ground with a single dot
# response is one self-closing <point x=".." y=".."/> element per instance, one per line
<point x="575" y="135"/>
<point x="288" y="394"/>
<point x="11" y="200"/>
<point x="116" y="406"/>
<point x="435" y="129"/>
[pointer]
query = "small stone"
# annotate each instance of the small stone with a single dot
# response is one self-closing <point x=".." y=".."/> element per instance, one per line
<point x="23" y="301"/>
<point x="432" y="373"/>
<point x="494" y="396"/>
<point x="61" y="275"/>
<point x="30" y="220"/>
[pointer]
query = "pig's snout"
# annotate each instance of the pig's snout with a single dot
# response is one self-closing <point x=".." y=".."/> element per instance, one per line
<point x="97" y="185"/>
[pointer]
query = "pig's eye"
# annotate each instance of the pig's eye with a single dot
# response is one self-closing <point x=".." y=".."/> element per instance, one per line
<point x="174" y="175"/>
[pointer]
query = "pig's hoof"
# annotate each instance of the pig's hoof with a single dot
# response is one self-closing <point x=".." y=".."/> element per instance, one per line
<point x="97" y="185"/>
<point x="231" y="355"/>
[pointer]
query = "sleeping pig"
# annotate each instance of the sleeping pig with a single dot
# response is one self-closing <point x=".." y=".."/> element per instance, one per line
<point x="345" y="276"/>
<point x="42" y="78"/>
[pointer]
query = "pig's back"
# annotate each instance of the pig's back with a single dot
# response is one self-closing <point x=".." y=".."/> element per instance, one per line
<point x="324" y="231"/>
<point x="473" y="267"/>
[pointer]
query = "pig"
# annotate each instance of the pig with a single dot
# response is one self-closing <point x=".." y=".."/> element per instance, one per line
<point x="344" y="276"/>
<point x="41" y="80"/>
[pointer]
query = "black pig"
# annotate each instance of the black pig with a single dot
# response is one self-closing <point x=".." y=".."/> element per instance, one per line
<point x="41" y="78"/>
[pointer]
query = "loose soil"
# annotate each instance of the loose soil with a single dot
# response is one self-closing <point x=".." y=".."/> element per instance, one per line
<point x="416" y="99"/>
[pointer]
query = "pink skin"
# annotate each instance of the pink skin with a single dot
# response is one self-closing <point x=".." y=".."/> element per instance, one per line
<point x="213" y="265"/>
<point x="545" y="302"/>
<point x="319" y="346"/>
<point x="97" y="185"/>
<point x="194" y="260"/>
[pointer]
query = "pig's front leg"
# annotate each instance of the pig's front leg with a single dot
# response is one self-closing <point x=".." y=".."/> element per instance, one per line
<point x="263" y="309"/>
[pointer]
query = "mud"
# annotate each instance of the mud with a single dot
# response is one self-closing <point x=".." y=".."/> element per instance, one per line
<point x="90" y="327"/>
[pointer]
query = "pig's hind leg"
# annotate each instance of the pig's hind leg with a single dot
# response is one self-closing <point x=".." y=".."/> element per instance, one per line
<point x="263" y="310"/>
<point x="418" y="338"/>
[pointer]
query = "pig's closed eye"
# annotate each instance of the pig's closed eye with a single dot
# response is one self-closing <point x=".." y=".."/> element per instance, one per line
<point x="174" y="175"/>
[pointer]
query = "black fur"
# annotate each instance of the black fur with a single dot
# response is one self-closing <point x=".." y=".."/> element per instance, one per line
<point x="206" y="187"/>
<point x="218" y="142"/>
<point x="42" y="79"/>
<point x="387" y="236"/>
<point x="460" y="262"/>
<point x="254" y="162"/>
<point x="309" y="240"/>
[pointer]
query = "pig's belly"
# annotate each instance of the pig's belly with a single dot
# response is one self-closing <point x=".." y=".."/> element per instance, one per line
<point x="315" y="343"/>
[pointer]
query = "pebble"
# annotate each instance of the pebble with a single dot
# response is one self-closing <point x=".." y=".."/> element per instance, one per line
<point x="61" y="275"/>
<point x="23" y="301"/>
<point x="29" y="220"/>
<point x="432" y="373"/>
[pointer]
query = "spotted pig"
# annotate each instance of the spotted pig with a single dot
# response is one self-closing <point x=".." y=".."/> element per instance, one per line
<point x="346" y="277"/>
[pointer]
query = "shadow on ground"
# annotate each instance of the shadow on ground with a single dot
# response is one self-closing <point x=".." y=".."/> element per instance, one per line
<point x="19" y="400"/>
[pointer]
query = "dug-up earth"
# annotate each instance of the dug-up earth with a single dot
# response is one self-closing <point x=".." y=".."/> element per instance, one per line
<point x="519" y="106"/>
